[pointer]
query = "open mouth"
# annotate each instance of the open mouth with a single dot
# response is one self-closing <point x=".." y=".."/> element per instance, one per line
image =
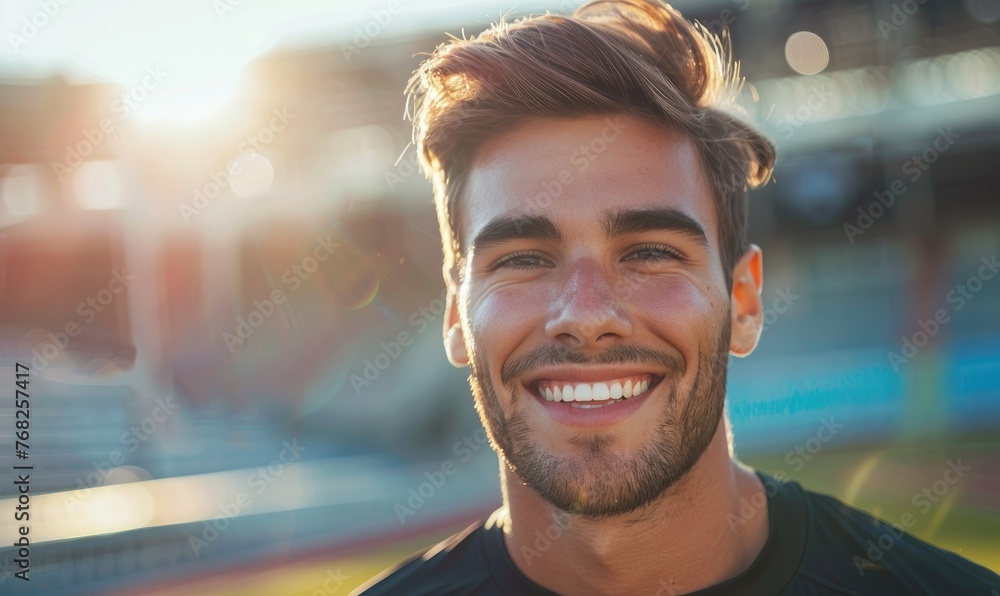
<point x="595" y="394"/>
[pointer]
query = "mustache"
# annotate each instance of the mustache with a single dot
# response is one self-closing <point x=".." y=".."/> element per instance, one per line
<point x="555" y="354"/>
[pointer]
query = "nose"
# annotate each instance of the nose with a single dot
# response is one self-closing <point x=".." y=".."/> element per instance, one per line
<point x="589" y="313"/>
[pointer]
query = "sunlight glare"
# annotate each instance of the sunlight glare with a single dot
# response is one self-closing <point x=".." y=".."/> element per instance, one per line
<point x="207" y="98"/>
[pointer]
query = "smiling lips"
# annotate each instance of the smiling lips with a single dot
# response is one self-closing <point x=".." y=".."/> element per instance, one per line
<point x="600" y="393"/>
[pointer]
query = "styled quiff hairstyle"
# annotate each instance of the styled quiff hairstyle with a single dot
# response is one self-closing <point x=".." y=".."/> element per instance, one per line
<point x="611" y="57"/>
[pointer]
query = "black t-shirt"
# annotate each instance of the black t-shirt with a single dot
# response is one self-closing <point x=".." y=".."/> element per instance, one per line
<point x="817" y="545"/>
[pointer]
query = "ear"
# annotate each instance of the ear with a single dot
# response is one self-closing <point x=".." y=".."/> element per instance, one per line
<point x="454" y="336"/>
<point x="746" y="308"/>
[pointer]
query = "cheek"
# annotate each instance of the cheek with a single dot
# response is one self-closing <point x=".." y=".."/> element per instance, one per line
<point x="677" y="308"/>
<point x="503" y="316"/>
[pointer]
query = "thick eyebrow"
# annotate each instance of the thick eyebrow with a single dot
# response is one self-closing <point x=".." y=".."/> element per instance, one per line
<point x="515" y="227"/>
<point x="622" y="221"/>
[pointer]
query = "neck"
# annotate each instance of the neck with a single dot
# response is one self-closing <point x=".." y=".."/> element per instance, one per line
<point x="684" y="541"/>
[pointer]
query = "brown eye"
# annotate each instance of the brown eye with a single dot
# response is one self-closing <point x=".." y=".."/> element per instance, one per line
<point x="654" y="253"/>
<point x="518" y="260"/>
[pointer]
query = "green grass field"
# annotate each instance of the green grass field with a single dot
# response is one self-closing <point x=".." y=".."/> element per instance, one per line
<point x="885" y="480"/>
<point x="882" y="479"/>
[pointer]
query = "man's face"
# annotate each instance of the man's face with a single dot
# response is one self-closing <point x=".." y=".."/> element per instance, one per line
<point x="609" y="284"/>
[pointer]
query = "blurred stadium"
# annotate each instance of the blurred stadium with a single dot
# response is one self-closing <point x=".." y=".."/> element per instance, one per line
<point x="223" y="269"/>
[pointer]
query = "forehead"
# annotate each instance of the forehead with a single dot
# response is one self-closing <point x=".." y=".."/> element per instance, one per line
<point x="573" y="170"/>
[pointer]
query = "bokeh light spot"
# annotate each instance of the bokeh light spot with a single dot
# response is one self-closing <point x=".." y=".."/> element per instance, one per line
<point x="806" y="53"/>
<point x="357" y="285"/>
<point x="254" y="176"/>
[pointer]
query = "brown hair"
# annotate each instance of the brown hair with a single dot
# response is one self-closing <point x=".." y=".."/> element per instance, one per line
<point x="611" y="57"/>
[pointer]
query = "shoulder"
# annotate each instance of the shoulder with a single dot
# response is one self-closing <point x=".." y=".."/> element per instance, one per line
<point x="858" y="553"/>
<point x="453" y="566"/>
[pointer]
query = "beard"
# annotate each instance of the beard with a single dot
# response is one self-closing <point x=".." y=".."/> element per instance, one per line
<point x="601" y="483"/>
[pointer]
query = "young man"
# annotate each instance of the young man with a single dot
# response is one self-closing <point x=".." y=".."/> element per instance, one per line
<point x="590" y="178"/>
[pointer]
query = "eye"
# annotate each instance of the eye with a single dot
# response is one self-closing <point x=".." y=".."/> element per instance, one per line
<point x="654" y="253"/>
<point x="523" y="260"/>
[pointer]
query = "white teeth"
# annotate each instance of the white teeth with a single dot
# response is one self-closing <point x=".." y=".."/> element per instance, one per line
<point x="585" y="392"/>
